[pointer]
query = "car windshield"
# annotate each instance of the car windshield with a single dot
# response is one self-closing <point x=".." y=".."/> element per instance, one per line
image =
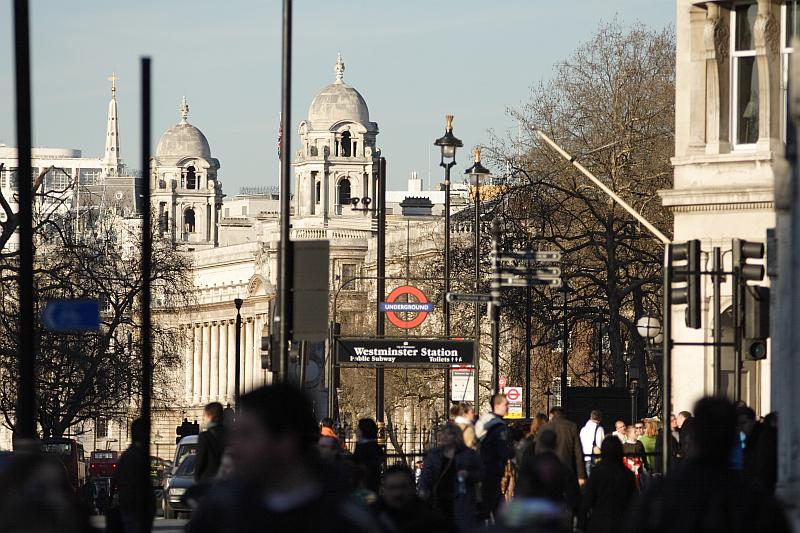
<point x="187" y="466"/>
<point x="184" y="451"/>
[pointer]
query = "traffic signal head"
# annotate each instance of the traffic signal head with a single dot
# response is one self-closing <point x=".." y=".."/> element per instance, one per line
<point x="756" y="322"/>
<point x="689" y="272"/>
<point x="744" y="250"/>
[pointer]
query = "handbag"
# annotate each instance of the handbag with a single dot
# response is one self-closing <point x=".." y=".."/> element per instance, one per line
<point x="595" y="448"/>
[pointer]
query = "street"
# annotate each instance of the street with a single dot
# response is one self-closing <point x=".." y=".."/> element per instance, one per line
<point x="159" y="524"/>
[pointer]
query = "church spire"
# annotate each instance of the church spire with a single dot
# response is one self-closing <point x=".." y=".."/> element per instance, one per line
<point x="339" y="68"/>
<point x="184" y="110"/>
<point x="111" y="161"/>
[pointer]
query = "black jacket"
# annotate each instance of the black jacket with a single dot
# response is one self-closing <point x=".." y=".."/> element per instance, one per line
<point x="568" y="445"/>
<point x="210" y="446"/>
<point x="542" y="475"/>
<point x="131" y="480"/>
<point x="609" y="492"/>
<point x="370" y="455"/>
<point x="415" y="518"/>
<point x="495" y="447"/>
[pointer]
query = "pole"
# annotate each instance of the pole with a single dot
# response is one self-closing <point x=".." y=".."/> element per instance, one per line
<point x="599" y="354"/>
<point x="716" y="266"/>
<point x="737" y="335"/>
<point x="285" y="254"/>
<point x="447" y="168"/>
<point x="380" y="318"/>
<point x="25" y="426"/>
<point x="494" y="305"/>
<point x="237" y="373"/>
<point x="476" y="364"/>
<point x="528" y="349"/>
<point x="564" y="351"/>
<point x="147" y="331"/>
<point x="666" y="361"/>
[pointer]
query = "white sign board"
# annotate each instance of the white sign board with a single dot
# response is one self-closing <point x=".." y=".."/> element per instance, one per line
<point x="462" y="384"/>
<point x="514" y="397"/>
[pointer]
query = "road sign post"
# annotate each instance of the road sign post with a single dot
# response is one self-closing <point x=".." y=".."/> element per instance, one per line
<point x="514" y="397"/>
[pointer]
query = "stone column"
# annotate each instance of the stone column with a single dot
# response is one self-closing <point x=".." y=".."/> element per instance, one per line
<point x="197" y="356"/>
<point x="214" y="363"/>
<point x="256" y="349"/>
<point x="206" y="382"/>
<point x="231" y="361"/>
<point x="188" y="361"/>
<point x="248" y="354"/>
<point x="223" y="362"/>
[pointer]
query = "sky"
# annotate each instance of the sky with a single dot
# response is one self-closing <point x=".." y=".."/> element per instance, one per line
<point x="413" y="61"/>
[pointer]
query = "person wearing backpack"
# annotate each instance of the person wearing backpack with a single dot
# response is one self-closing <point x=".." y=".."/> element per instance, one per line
<point x="592" y="436"/>
<point x="495" y="449"/>
<point x="210" y="443"/>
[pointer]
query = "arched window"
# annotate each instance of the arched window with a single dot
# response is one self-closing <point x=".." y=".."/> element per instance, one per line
<point x="346" y="144"/>
<point x="191" y="180"/>
<point x="344" y="191"/>
<point x="318" y="192"/>
<point x="188" y="220"/>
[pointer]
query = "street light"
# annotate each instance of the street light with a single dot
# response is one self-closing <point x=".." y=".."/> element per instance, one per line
<point x="649" y="328"/>
<point x="477" y="172"/>
<point x="237" y="373"/>
<point x="448" y="144"/>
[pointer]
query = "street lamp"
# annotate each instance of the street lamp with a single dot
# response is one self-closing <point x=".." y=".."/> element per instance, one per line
<point x="649" y="328"/>
<point x="448" y="144"/>
<point x="237" y="373"/>
<point x="476" y="172"/>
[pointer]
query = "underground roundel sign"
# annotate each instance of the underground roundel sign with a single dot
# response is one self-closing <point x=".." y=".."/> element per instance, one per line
<point x="415" y="311"/>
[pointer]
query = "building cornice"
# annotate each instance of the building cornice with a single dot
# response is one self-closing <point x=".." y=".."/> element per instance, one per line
<point x="715" y="199"/>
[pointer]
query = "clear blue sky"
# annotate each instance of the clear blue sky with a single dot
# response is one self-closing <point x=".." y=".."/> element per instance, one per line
<point x="412" y="60"/>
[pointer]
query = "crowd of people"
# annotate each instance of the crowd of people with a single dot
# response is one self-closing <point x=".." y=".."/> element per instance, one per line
<point x="276" y="469"/>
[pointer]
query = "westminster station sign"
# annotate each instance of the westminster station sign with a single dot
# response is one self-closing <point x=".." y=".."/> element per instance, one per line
<point x="404" y="352"/>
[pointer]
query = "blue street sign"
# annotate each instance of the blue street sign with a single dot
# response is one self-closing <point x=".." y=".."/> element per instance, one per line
<point x="408" y="307"/>
<point x="71" y="316"/>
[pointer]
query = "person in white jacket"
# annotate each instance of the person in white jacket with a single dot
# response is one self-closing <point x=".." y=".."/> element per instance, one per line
<point x="591" y="436"/>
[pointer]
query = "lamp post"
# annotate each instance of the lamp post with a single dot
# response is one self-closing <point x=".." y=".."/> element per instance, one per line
<point x="237" y="372"/>
<point x="448" y="144"/>
<point x="477" y="172"/>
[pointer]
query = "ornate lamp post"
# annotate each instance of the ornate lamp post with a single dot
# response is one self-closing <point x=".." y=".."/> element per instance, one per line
<point x="448" y="144"/>
<point x="237" y="371"/>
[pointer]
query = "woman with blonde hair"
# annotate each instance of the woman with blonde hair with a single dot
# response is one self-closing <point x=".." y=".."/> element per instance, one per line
<point x="650" y="437"/>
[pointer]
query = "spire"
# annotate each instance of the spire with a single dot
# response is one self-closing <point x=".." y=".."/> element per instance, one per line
<point x="111" y="160"/>
<point x="184" y="110"/>
<point x="339" y="68"/>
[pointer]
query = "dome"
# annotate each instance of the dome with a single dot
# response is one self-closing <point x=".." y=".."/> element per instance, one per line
<point x="183" y="139"/>
<point x="336" y="102"/>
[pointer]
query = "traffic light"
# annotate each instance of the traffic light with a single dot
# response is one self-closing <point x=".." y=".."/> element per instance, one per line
<point x="689" y="253"/>
<point x="266" y="354"/>
<point x="744" y="250"/>
<point x="185" y="429"/>
<point x="756" y="322"/>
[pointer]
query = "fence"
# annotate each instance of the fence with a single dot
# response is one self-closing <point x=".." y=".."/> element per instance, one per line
<point x="403" y="444"/>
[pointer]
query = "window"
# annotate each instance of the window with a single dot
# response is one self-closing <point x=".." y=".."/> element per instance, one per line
<point x="318" y="191"/>
<point x="244" y="210"/>
<point x="191" y="179"/>
<point x="89" y="176"/>
<point x="227" y="212"/>
<point x="8" y="177"/>
<point x="349" y="271"/>
<point x="790" y="24"/>
<point x="56" y="180"/>
<point x="344" y="192"/>
<point x="101" y="428"/>
<point x="188" y="220"/>
<point x="346" y="144"/>
<point x="744" y="75"/>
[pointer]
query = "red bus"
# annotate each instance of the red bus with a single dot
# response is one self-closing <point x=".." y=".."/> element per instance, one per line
<point x="103" y="463"/>
<point x="70" y="453"/>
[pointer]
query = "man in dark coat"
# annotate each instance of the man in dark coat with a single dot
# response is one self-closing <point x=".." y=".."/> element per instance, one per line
<point x="542" y="475"/>
<point x="496" y="449"/>
<point x="210" y="443"/>
<point x="609" y="491"/>
<point x="131" y="481"/>
<point x="568" y="446"/>
<point x="368" y="454"/>
<point x="703" y="494"/>
<point x="400" y="510"/>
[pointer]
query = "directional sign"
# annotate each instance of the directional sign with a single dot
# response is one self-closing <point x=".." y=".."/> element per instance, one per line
<point x="71" y="316"/>
<point x="514" y="397"/>
<point x="404" y="351"/>
<point x="462" y="384"/>
<point x="468" y="297"/>
<point x="514" y="281"/>
<point x="541" y="256"/>
<point x="545" y="272"/>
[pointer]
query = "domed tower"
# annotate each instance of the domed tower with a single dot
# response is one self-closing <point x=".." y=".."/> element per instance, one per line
<point x="337" y="158"/>
<point x="185" y="190"/>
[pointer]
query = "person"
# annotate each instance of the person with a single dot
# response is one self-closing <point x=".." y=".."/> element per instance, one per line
<point x="756" y="449"/>
<point x="279" y="482"/>
<point x="368" y="453"/>
<point x="591" y="436"/>
<point x="608" y="492"/>
<point x="635" y="457"/>
<point x="568" y="446"/>
<point x="639" y="426"/>
<point x="685" y="434"/>
<point x="450" y="477"/>
<point x="400" y="510"/>
<point x="418" y="471"/>
<point x="649" y="437"/>
<point x="131" y="480"/>
<point x="326" y="430"/>
<point x="766" y="461"/>
<point x="527" y="446"/>
<point x="621" y="431"/>
<point x="210" y="443"/>
<point x="463" y="415"/>
<point x="703" y="494"/>
<point x="495" y="451"/>
<point x="542" y="475"/>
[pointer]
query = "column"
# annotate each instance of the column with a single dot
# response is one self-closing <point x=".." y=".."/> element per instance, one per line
<point x="223" y="362"/>
<point x="197" y="354"/>
<point x="248" y="353"/>
<point x="257" y="372"/>
<point x="206" y="381"/>
<point x="214" y="375"/>
<point x="188" y="361"/>
<point x="231" y="361"/>
<point x="242" y="357"/>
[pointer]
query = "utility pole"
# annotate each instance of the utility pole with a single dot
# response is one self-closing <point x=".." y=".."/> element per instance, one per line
<point x="494" y="305"/>
<point x="238" y="371"/>
<point x="564" y="349"/>
<point x="716" y="266"/>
